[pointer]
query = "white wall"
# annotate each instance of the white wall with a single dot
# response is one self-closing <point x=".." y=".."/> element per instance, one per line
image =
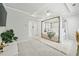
<point x="18" y="22"/>
<point x="70" y="41"/>
<point x="73" y="26"/>
<point x="33" y="28"/>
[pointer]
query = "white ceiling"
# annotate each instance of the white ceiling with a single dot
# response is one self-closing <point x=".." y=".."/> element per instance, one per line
<point x="73" y="7"/>
<point x="27" y="7"/>
<point x="40" y="9"/>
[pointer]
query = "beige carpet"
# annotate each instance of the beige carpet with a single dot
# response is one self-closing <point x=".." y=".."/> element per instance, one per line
<point x="36" y="48"/>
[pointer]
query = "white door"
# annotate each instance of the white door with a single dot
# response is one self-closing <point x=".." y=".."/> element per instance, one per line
<point x="33" y="28"/>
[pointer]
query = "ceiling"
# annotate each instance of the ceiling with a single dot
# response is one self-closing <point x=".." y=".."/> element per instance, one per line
<point x="27" y="7"/>
<point x="73" y="7"/>
<point x="40" y="10"/>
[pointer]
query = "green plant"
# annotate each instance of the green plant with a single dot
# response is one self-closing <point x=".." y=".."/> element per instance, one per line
<point x="8" y="36"/>
<point x="50" y="34"/>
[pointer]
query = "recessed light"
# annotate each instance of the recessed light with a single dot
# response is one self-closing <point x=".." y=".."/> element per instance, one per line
<point x="73" y="4"/>
<point x="48" y="13"/>
<point x="33" y="15"/>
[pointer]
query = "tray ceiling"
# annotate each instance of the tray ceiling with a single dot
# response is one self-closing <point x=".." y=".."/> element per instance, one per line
<point x="40" y="9"/>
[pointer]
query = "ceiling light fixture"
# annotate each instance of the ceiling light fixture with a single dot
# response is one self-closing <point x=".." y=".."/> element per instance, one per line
<point x="33" y="15"/>
<point x="73" y="4"/>
<point x="48" y="13"/>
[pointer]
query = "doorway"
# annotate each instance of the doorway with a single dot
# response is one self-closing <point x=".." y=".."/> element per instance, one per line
<point x="33" y="29"/>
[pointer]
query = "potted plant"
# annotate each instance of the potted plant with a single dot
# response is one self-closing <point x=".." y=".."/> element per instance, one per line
<point x="8" y="36"/>
<point x="50" y="34"/>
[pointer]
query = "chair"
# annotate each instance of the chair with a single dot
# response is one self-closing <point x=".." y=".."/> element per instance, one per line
<point x="77" y="38"/>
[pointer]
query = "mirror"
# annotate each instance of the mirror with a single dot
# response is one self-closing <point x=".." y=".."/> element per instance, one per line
<point x="50" y="29"/>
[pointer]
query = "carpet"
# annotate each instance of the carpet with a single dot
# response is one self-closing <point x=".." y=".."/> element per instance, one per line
<point x="36" y="48"/>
